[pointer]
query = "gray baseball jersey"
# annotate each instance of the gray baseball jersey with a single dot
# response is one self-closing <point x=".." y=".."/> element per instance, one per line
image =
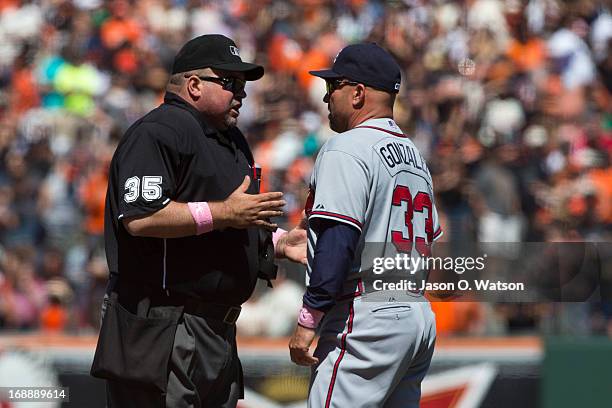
<point x="373" y="178"/>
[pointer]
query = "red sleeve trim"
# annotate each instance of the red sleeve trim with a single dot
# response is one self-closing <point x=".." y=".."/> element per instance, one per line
<point x="339" y="217"/>
<point x="438" y="233"/>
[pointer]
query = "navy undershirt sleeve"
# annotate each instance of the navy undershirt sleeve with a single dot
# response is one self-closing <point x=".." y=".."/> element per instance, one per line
<point x="334" y="253"/>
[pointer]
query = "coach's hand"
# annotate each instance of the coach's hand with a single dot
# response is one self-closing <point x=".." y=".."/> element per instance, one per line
<point x="292" y="245"/>
<point x="299" y="346"/>
<point x="242" y="210"/>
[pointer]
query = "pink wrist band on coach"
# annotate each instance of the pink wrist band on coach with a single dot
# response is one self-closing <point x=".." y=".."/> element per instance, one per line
<point x="310" y="317"/>
<point x="276" y="235"/>
<point x="200" y="211"/>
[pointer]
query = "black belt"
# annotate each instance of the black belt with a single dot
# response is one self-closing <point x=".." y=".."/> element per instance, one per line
<point x="227" y="314"/>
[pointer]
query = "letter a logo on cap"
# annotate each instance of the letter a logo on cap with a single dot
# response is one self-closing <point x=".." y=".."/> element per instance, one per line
<point x="234" y="50"/>
<point x="397" y="86"/>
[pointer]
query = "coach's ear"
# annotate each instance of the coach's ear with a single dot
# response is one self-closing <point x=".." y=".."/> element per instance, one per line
<point x="359" y="96"/>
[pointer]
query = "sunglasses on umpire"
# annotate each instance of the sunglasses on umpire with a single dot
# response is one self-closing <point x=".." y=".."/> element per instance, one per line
<point x="332" y="84"/>
<point x="232" y="84"/>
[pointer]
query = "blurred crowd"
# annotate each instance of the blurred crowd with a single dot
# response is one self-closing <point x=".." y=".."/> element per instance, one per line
<point x="509" y="102"/>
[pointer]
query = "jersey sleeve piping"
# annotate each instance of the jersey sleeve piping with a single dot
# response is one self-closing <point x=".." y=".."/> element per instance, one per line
<point x="337" y="217"/>
<point x="438" y="234"/>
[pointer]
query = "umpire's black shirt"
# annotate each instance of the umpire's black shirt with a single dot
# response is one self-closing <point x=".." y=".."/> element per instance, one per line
<point x="172" y="154"/>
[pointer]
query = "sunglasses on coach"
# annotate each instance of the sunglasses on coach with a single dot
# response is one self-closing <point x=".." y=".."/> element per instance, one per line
<point x="232" y="84"/>
<point x="333" y="84"/>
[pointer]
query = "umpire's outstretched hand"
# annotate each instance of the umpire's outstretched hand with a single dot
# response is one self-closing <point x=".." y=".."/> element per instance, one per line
<point x="242" y="210"/>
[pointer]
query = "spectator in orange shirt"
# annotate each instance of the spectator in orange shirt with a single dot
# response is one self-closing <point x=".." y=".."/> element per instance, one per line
<point x="119" y="28"/>
<point x="526" y="51"/>
<point x="93" y="195"/>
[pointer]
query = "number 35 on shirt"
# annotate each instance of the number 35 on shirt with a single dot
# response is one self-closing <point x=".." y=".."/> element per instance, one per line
<point x="149" y="187"/>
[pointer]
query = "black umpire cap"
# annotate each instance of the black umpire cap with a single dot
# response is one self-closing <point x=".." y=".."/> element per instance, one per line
<point x="368" y="64"/>
<point x="214" y="51"/>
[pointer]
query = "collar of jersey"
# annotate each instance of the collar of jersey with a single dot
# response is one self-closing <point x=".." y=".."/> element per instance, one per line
<point x="383" y="123"/>
<point x="173" y="99"/>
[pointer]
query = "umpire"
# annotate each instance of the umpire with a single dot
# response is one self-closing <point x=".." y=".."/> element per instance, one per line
<point x="187" y="234"/>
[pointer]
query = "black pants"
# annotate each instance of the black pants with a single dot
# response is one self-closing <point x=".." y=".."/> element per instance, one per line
<point x="204" y="371"/>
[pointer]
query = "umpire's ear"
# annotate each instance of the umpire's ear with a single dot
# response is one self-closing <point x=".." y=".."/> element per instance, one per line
<point x="194" y="87"/>
<point x="359" y="95"/>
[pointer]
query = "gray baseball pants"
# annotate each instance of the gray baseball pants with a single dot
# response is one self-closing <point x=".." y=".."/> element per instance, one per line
<point x="373" y="354"/>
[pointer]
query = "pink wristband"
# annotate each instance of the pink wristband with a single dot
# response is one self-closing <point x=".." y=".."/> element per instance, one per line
<point x="276" y="235"/>
<point x="310" y="317"/>
<point x="200" y="211"/>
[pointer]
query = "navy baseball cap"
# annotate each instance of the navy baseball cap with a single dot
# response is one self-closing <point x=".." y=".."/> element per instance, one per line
<point x="368" y="64"/>
<point x="214" y="51"/>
